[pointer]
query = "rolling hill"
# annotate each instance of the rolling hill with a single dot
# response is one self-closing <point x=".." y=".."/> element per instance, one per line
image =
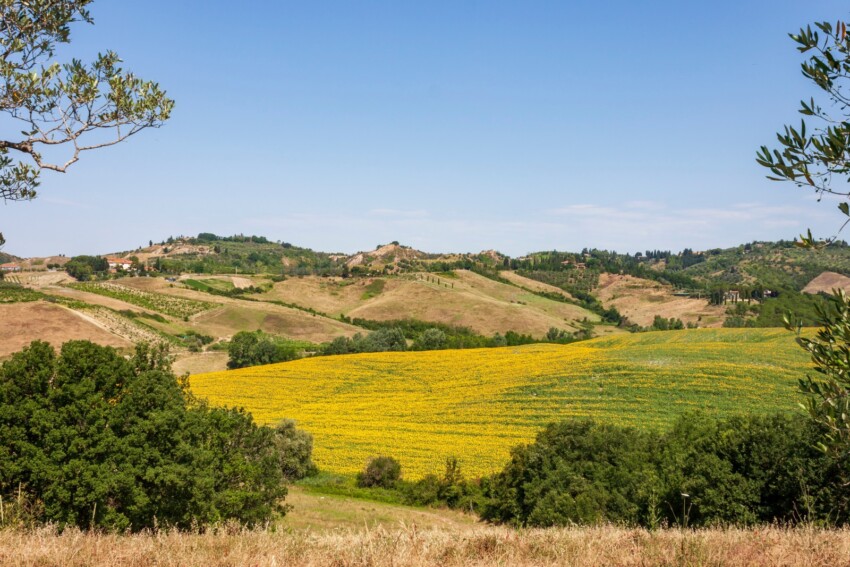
<point x="248" y="283"/>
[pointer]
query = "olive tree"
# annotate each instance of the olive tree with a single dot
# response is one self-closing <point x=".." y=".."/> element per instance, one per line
<point x="55" y="112"/>
<point x="818" y="158"/>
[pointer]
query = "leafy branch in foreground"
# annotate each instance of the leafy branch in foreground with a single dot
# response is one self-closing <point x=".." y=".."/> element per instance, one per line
<point x="829" y="390"/>
<point x="61" y="110"/>
<point x="817" y="158"/>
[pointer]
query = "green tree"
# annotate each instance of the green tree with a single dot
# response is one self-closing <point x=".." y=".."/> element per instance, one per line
<point x="381" y="471"/>
<point x="255" y="348"/>
<point x="829" y="390"/>
<point x="94" y="440"/>
<point x="742" y="470"/>
<point x="816" y="158"/>
<point x="75" y="107"/>
<point x="819" y="159"/>
<point x="295" y="448"/>
<point x="430" y="339"/>
<point x="84" y="268"/>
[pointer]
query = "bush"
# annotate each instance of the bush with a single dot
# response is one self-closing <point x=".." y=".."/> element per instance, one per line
<point x="253" y="349"/>
<point x="430" y="339"/>
<point x="452" y="491"/>
<point x="295" y="449"/>
<point x="383" y="472"/>
<point x="94" y="440"/>
<point x="743" y="470"/>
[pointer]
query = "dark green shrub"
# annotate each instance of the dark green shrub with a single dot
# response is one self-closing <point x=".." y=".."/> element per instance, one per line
<point x="741" y="471"/>
<point x="295" y="449"/>
<point x="382" y="471"/>
<point x="94" y="440"/>
<point x="256" y="348"/>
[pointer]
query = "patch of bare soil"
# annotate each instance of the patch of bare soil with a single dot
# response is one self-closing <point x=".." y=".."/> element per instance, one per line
<point x="641" y="300"/>
<point x="23" y="323"/>
<point x="827" y="282"/>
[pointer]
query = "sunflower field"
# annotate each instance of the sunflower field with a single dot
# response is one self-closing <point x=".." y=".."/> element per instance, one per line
<point x="421" y="407"/>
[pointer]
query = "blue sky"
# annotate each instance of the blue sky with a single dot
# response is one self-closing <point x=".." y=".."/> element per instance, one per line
<point x="449" y="126"/>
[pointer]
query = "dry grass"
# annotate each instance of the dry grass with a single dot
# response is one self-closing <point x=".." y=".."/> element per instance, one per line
<point x="320" y="513"/>
<point x="467" y="299"/>
<point x="471" y="301"/>
<point x="23" y="323"/>
<point x="826" y="282"/>
<point x="200" y="362"/>
<point x="412" y="546"/>
<point x="641" y="300"/>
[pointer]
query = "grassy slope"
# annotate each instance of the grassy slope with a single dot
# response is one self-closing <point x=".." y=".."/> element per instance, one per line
<point x="234" y="315"/>
<point x="466" y="299"/>
<point x="423" y="407"/>
<point x="323" y="512"/>
<point x="640" y="300"/>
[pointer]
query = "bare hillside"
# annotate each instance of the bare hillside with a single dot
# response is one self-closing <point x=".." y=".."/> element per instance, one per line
<point x="38" y="320"/>
<point x="472" y="301"/>
<point x="641" y="300"/>
<point x="827" y="282"/>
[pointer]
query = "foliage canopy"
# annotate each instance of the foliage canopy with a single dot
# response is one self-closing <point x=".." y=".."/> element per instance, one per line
<point x="818" y="157"/>
<point x="59" y="110"/>
<point x="94" y="440"/>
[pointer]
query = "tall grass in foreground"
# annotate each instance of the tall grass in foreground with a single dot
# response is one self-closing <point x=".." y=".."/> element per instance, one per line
<point x="408" y="546"/>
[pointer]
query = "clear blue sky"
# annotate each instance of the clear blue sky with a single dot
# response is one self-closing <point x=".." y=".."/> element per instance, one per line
<point x="446" y="125"/>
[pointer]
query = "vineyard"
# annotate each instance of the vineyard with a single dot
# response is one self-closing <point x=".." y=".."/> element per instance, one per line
<point x="422" y="407"/>
<point x="166" y="304"/>
<point x="14" y="293"/>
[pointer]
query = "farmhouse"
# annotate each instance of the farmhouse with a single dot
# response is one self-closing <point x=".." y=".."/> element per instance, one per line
<point x="119" y="263"/>
<point x="10" y="267"/>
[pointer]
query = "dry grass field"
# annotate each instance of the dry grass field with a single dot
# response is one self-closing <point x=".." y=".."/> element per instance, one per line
<point x="641" y="300"/>
<point x="826" y="282"/>
<point x="473" y="301"/>
<point x="322" y="513"/>
<point x="413" y="546"/>
<point x="23" y="323"/>
<point x="465" y="299"/>
<point x="199" y="362"/>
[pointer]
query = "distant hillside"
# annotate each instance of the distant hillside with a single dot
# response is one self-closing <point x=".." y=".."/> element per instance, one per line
<point x="772" y="265"/>
<point x="827" y="282"/>
<point x="251" y="283"/>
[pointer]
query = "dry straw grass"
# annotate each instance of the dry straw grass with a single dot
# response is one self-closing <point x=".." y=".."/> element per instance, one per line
<point x="408" y="546"/>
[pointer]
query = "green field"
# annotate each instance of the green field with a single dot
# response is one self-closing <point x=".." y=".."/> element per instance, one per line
<point x="421" y="407"/>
